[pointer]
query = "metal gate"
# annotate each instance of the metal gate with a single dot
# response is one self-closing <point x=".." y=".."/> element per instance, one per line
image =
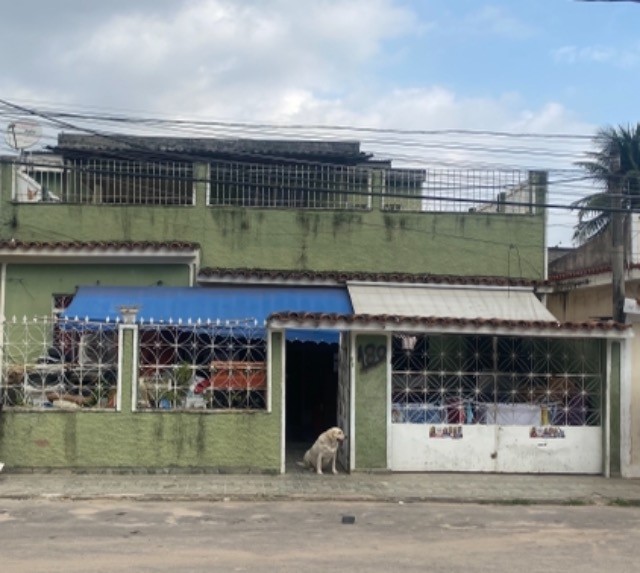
<point x="496" y="403"/>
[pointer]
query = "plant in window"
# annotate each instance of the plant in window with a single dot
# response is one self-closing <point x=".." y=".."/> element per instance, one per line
<point x="179" y="387"/>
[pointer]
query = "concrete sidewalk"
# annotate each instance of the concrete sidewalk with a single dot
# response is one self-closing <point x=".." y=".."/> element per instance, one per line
<point x="459" y="488"/>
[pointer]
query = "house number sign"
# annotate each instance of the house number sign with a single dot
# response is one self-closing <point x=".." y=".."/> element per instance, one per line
<point x="370" y="355"/>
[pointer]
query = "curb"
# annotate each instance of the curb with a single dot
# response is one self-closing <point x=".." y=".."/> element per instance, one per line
<point x="311" y="498"/>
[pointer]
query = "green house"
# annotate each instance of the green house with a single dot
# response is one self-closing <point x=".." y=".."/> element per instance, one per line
<point x="208" y="305"/>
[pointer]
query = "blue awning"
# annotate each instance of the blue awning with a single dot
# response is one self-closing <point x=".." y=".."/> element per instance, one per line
<point x="227" y="304"/>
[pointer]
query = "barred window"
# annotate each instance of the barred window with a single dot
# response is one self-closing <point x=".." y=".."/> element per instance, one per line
<point x="48" y="364"/>
<point x="496" y="380"/>
<point x="206" y="368"/>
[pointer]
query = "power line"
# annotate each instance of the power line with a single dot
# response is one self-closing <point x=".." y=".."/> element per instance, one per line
<point x="60" y="119"/>
<point x="351" y="192"/>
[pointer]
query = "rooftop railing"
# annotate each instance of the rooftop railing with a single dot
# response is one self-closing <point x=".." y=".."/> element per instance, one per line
<point x="313" y="186"/>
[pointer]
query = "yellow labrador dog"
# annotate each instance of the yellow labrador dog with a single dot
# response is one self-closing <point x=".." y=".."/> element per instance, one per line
<point x="324" y="450"/>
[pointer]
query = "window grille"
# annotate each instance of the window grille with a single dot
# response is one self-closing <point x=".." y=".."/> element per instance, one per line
<point x="202" y="367"/>
<point x="304" y="186"/>
<point x="51" y="364"/>
<point x="496" y="380"/>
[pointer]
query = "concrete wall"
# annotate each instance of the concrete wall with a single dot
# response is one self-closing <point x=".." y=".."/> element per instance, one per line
<point x="577" y="305"/>
<point x="240" y="441"/>
<point x="597" y="251"/>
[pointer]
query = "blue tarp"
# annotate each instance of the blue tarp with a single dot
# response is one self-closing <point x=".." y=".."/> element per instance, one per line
<point x="237" y="303"/>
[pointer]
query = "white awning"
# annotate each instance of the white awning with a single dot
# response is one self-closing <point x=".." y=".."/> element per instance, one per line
<point x="438" y="301"/>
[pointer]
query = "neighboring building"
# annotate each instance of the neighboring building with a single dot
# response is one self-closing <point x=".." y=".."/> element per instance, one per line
<point x="212" y="304"/>
<point x="581" y="283"/>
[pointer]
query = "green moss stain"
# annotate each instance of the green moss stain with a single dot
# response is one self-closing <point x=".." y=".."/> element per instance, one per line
<point x="70" y="433"/>
<point x="302" y="257"/>
<point x="158" y="429"/>
<point x="201" y="438"/>
<point x="270" y="238"/>
<point x="309" y="224"/>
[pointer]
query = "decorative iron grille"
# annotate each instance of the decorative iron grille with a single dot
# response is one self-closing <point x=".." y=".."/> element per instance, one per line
<point x="496" y="380"/>
<point x="304" y="186"/>
<point x="52" y="364"/>
<point x="206" y="367"/>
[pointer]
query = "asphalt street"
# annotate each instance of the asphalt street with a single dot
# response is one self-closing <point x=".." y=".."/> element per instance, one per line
<point x="40" y="536"/>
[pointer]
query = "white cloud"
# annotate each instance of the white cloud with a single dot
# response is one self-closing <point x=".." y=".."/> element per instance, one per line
<point x="285" y="62"/>
<point x="221" y="51"/>
<point x="497" y="21"/>
<point x="624" y="59"/>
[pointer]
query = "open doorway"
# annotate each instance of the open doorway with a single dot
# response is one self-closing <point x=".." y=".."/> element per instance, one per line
<point x="311" y="395"/>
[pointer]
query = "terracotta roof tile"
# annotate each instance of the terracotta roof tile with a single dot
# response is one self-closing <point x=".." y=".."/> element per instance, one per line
<point x="427" y="321"/>
<point x="341" y="277"/>
<point x="585" y="272"/>
<point x="98" y="245"/>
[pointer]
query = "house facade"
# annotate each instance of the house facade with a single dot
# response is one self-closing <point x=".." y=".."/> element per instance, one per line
<point x="210" y="304"/>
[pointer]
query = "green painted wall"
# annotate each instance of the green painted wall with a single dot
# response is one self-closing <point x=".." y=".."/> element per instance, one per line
<point x="30" y="287"/>
<point x="614" y="420"/>
<point x="378" y="241"/>
<point x="152" y="440"/>
<point x="371" y="402"/>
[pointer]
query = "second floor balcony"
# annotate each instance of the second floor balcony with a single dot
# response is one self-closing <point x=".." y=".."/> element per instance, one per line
<point x="51" y="178"/>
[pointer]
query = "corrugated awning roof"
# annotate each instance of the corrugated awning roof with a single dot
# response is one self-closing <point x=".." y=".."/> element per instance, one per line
<point x="435" y="301"/>
<point x="232" y="304"/>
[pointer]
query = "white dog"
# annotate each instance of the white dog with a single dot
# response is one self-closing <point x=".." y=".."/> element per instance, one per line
<point x="324" y="450"/>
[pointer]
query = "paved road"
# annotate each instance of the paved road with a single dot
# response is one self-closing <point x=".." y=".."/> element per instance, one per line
<point x="114" y="535"/>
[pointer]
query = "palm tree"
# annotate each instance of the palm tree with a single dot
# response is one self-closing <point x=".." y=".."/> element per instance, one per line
<point x="615" y="167"/>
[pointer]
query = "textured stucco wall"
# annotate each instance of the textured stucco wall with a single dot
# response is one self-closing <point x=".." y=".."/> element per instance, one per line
<point x="371" y="402"/>
<point x="151" y="440"/>
<point x="463" y="244"/>
<point x="30" y="287"/>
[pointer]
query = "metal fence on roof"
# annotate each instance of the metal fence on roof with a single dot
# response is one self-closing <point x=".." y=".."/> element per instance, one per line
<point x="315" y="186"/>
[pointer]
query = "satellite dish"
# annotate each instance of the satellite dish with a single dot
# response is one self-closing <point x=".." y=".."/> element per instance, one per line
<point x="22" y="134"/>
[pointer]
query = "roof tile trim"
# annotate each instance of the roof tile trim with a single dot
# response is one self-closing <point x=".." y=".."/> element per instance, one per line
<point x="585" y="272"/>
<point x="99" y="245"/>
<point x="301" y="317"/>
<point x="342" y="277"/>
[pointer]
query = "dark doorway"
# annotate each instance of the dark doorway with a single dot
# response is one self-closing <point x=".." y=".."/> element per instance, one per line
<point x="311" y="394"/>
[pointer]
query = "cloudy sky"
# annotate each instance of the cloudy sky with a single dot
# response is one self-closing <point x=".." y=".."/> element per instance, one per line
<point x="537" y="67"/>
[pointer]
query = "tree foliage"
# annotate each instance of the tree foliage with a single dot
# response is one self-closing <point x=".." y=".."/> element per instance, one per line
<point x="615" y="168"/>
